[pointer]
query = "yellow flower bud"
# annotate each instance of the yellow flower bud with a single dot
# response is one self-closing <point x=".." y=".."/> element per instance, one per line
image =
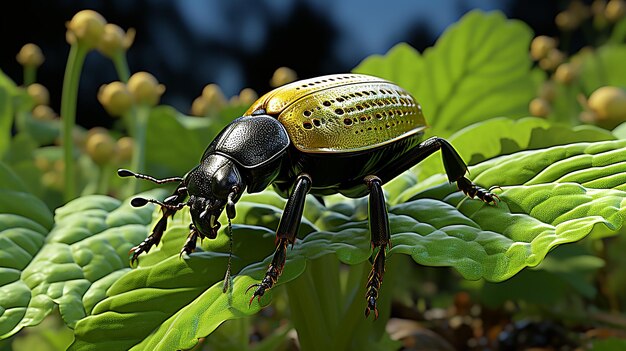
<point x="282" y="76"/>
<point x="44" y="113"/>
<point x="39" y="94"/>
<point x="115" y="40"/>
<point x="100" y="147"/>
<point x="579" y="10"/>
<point x="124" y="148"/>
<point x="86" y="27"/>
<point x="116" y="98"/>
<point x="541" y="46"/>
<point x="609" y="105"/>
<point x="199" y="107"/>
<point x="213" y="95"/>
<point x="145" y="89"/>
<point x="567" y="21"/>
<point x="615" y="10"/>
<point x="247" y="96"/>
<point x="552" y="60"/>
<point x="539" y="107"/>
<point x="565" y="73"/>
<point x="30" y="55"/>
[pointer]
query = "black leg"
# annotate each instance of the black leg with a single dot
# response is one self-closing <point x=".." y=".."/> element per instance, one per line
<point x="286" y="234"/>
<point x="169" y="207"/>
<point x="192" y="238"/>
<point x="380" y="237"/>
<point x="455" y="168"/>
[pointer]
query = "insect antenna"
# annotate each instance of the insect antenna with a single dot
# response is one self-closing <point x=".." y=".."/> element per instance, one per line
<point x="141" y="201"/>
<point x="126" y="173"/>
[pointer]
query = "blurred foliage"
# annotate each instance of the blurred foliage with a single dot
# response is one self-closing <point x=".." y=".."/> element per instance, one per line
<point x="544" y="127"/>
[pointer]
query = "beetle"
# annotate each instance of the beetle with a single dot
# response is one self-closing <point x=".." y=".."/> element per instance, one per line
<point x="341" y="133"/>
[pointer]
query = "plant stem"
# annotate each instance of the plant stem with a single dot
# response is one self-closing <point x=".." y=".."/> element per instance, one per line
<point x="68" y="113"/>
<point x="103" y="179"/>
<point x="30" y="75"/>
<point x="121" y="66"/>
<point x="139" y="125"/>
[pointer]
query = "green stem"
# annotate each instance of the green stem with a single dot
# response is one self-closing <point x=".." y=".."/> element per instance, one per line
<point x="139" y="126"/>
<point x="68" y="113"/>
<point x="121" y="66"/>
<point x="103" y="179"/>
<point x="30" y="75"/>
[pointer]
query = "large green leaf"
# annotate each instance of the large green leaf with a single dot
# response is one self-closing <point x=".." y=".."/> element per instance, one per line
<point x="502" y="136"/>
<point x="85" y="252"/>
<point x="479" y="68"/>
<point x="176" y="141"/>
<point x="24" y="223"/>
<point x="549" y="197"/>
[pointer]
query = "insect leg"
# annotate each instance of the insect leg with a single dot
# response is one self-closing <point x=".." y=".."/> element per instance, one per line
<point x="380" y="238"/>
<point x="170" y="206"/>
<point x="286" y="234"/>
<point x="455" y="168"/>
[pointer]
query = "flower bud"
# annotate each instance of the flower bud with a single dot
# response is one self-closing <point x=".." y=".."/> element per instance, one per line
<point x="124" y="149"/>
<point x="539" y="107"/>
<point x="282" y="76"/>
<point x="100" y="147"/>
<point x="39" y="94"/>
<point x="115" y="98"/>
<point x="609" y="105"/>
<point x="554" y="58"/>
<point x="115" y="40"/>
<point x="615" y="10"/>
<point x="247" y="96"/>
<point x="565" y="73"/>
<point x="213" y="94"/>
<point x="199" y="107"/>
<point x="30" y="56"/>
<point x="541" y="46"/>
<point x="44" y="113"/>
<point x="145" y="89"/>
<point x="566" y="21"/>
<point x="86" y="27"/>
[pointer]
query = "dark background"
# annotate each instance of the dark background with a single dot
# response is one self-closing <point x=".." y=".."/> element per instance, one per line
<point x="187" y="44"/>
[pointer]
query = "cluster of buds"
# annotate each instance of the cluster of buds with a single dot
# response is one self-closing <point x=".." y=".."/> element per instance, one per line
<point x="103" y="149"/>
<point x="608" y="12"/>
<point x="210" y="102"/>
<point x="90" y="29"/>
<point x="118" y="98"/>
<point x="601" y="11"/>
<point x="543" y="49"/>
<point x="212" y="99"/>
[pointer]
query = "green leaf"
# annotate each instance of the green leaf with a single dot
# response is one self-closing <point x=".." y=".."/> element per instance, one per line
<point x="478" y="69"/>
<point x="503" y="136"/>
<point x="549" y="197"/>
<point x="85" y="252"/>
<point x="175" y="141"/>
<point x="24" y="224"/>
<point x="603" y="66"/>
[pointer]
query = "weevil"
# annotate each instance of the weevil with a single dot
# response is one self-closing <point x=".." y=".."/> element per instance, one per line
<point x="342" y="133"/>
